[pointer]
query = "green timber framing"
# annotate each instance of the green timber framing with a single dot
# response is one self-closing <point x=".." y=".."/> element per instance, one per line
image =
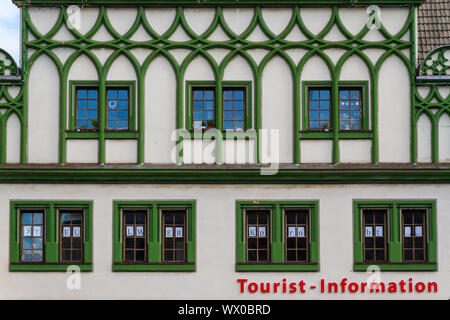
<point x="394" y="245"/>
<point x="154" y="237"/>
<point x="51" y="243"/>
<point x="277" y="243"/>
<point x="199" y="44"/>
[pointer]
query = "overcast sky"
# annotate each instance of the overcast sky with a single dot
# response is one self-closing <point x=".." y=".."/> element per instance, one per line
<point x="9" y="28"/>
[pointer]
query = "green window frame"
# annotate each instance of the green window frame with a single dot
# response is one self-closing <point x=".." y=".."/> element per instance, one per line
<point x="154" y="260"/>
<point x="334" y="111"/>
<point x="276" y="225"/>
<point x="394" y="235"/>
<point x="102" y="112"/>
<point x="51" y="235"/>
<point x="219" y="102"/>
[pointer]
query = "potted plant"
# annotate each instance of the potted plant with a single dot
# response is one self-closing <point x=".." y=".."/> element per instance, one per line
<point x="325" y="127"/>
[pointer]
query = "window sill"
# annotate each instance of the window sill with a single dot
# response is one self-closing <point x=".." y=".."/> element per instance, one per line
<point x="341" y="135"/>
<point x="96" y="134"/>
<point x="234" y="134"/>
<point x="154" y="267"/>
<point x="47" y="267"/>
<point x="397" y="266"/>
<point x="278" y="267"/>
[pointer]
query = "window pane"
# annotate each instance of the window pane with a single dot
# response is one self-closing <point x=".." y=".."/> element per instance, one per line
<point x="86" y="106"/>
<point x="135" y="235"/>
<point x="414" y="235"/>
<point x="257" y="235"/>
<point x="297" y="234"/>
<point x="350" y="109"/>
<point x="31" y="235"/>
<point x="319" y="108"/>
<point x="117" y="111"/>
<point x="374" y="234"/>
<point x="234" y="100"/>
<point x="203" y="102"/>
<point x="174" y="235"/>
<point x="71" y="232"/>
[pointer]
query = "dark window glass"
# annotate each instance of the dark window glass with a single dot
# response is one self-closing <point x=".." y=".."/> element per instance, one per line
<point x="257" y="235"/>
<point x="174" y="236"/>
<point x="70" y="235"/>
<point x="350" y="109"/>
<point x="414" y="233"/>
<point x="135" y="235"/>
<point x="32" y="236"/>
<point x="374" y="234"/>
<point x="234" y="108"/>
<point x="86" y="113"/>
<point x="117" y="111"/>
<point x="203" y="108"/>
<point x="319" y="108"/>
<point x="296" y="235"/>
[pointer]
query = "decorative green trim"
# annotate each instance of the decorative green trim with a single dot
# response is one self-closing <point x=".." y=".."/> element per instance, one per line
<point x="277" y="249"/>
<point x="219" y="2"/>
<point x="51" y="247"/>
<point x="436" y="63"/>
<point x="394" y="244"/>
<point x="8" y="66"/>
<point x="154" y="245"/>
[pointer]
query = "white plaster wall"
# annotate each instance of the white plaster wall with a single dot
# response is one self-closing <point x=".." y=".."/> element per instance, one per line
<point x="355" y="151"/>
<point x="82" y="151"/>
<point x="43" y="111"/>
<point x="120" y="151"/>
<point x="316" y="151"/>
<point x="394" y="111"/>
<point x="424" y="139"/>
<point x="13" y="132"/>
<point x="215" y="277"/>
<point x="276" y="105"/>
<point x="160" y="111"/>
<point x="444" y="136"/>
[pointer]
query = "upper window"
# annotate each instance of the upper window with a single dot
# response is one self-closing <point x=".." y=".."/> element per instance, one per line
<point x="395" y="235"/>
<point x="206" y="110"/>
<point x="118" y="110"/>
<point x="277" y="236"/>
<point x="154" y="236"/>
<point x="345" y="112"/>
<point x="50" y="236"/>
<point x="86" y="108"/>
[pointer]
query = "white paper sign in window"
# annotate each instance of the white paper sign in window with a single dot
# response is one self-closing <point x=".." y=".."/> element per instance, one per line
<point x="169" y="232"/>
<point x="76" y="233"/>
<point x="379" y="231"/>
<point x="37" y="231"/>
<point x="262" y="232"/>
<point x="301" y="232"/>
<point x="179" y="232"/>
<point x="130" y="231"/>
<point x="369" y="232"/>
<point x="418" y="231"/>
<point x="27" y="231"/>
<point x="291" y="232"/>
<point x="66" y="232"/>
<point x="407" y="232"/>
<point x="252" y="231"/>
<point x="139" y="231"/>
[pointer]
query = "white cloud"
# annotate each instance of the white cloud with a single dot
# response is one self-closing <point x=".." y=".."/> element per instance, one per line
<point x="10" y="28"/>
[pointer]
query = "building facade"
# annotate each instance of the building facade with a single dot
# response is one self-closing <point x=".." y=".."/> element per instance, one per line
<point x="167" y="149"/>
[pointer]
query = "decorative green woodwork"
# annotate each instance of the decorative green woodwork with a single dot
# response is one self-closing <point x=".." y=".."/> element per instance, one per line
<point x="394" y="245"/>
<point x="436" y="63"/>
<point x="8" y="66"/>
<point x="199" y="45"/>
<point x="154" y="245"/>
<point x="277" y="256"/>
<point x="51" y="245"/>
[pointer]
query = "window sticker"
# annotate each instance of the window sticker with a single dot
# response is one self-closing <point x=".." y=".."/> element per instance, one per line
<point x="301" y="232"/>
<point x="262" y="232"/>
<point x="169" y="232"/>
<point x="76" y="233"/>
<point x="27" y="231"/>
<point x="130" y="231"/>
<point x="291" y="232"/>
<point x="379" y="231"/>
<point x="407" y="232"/>
<point x="179" y="232"/>
<point x="418" y="231"/>
<point x="37" y="231"/>
<point x="252" y="231"/>
<point x="139" y="231"/>
<point x="369" y="231"/>
<point x="66" y="232"/>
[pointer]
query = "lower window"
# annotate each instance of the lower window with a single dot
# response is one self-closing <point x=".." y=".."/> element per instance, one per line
<point x="154" y="236"/>
<point x="395" y="235"/>
<point x="277" y="236"/>
<point x="50" y="235"/>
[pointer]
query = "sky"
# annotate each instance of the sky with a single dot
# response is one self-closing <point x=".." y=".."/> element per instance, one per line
<point x="9" y="29"/>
